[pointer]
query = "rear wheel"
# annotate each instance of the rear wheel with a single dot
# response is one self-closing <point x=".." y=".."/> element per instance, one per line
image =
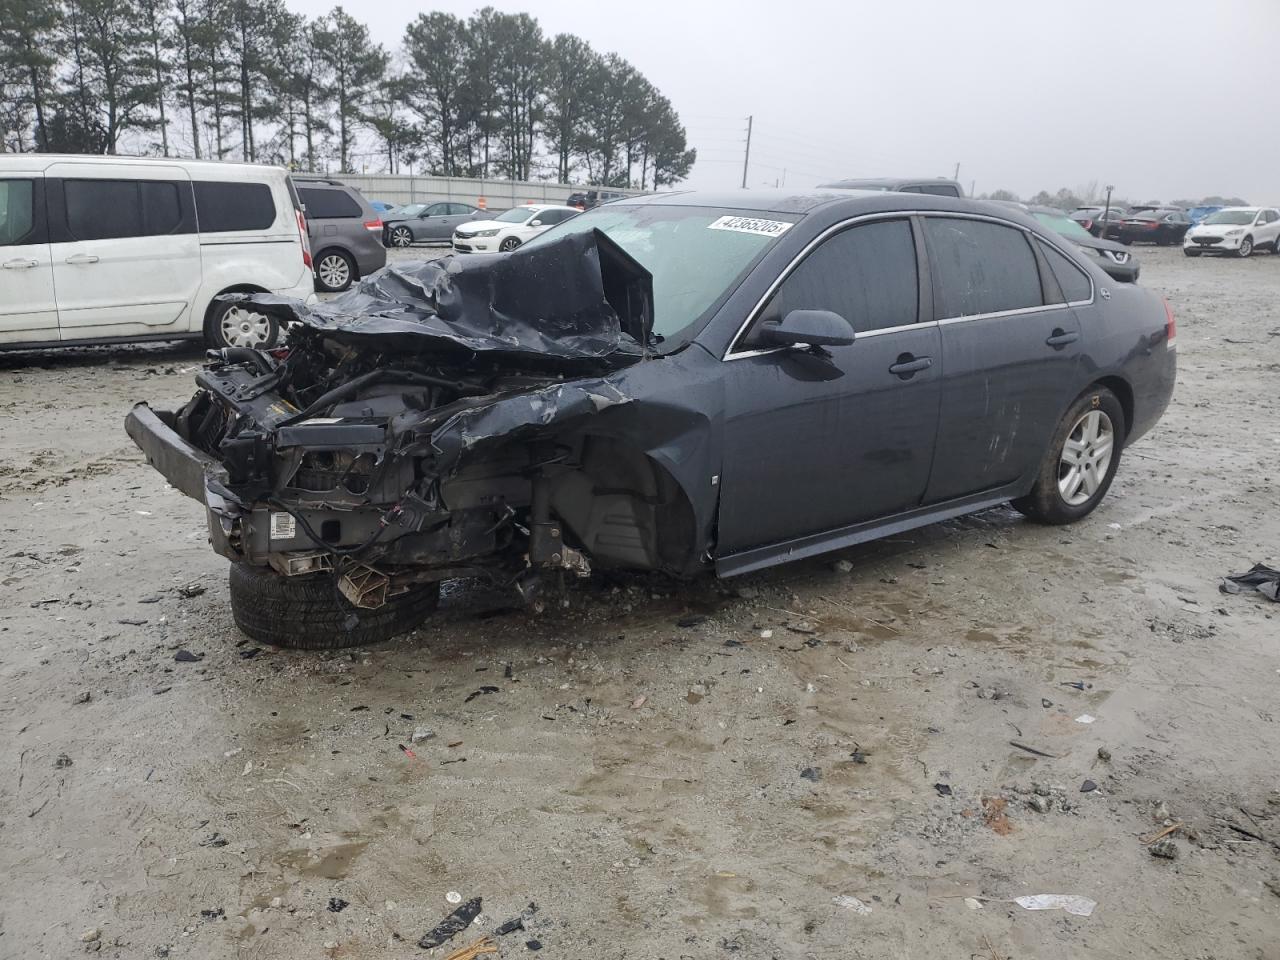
<point x="308" y="613"/>
<point x="232" y="323"/>
<point x="334" y="271"/>
<point x="1081" y="460"/>
<point x="1246" y="247"/>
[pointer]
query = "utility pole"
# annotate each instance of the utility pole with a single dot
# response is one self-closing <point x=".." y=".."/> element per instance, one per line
<point x="746" y="157"/>
<point x="1106" y="213"/>
<point x="956" y="175"/>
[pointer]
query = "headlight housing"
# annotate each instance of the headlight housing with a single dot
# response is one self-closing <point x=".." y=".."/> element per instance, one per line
<point x="1235" y="233"/>
<point x="486" y="233"/>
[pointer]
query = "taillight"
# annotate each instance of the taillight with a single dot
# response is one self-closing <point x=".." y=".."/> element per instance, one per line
<point x="374" y="225"/>
<point x="1170" y="326"/>
<point x="306" y="242"/>
<point x="1088" y="224"/>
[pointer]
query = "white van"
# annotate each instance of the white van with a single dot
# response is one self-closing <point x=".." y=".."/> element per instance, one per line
<point x="98" y="249"/>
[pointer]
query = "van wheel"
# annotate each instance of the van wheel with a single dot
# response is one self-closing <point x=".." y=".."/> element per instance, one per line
<point x="1081" y="461"/>
<point x="233" y="323"/>
<point x="308" y="613"/>
<point x="334" y="271"/>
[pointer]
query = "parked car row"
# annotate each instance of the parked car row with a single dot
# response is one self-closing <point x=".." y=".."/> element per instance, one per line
<point x="1202" y="229"/>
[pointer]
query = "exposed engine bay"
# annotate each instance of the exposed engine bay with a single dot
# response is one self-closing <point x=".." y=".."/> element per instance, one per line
<point x="435" y="422"/>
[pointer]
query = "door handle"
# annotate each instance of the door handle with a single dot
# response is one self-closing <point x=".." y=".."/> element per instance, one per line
<point x="82" y="258"/>
<point x="907" y="366"/>
<point x="1060" y="338"/>
<point x="20" y="264"/>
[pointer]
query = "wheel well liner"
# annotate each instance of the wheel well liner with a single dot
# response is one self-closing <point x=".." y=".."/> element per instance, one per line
<point x="1124" y="393"/>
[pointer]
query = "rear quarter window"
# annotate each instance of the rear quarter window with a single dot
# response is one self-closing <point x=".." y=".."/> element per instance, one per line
<point x="1075" y="283"/>
<point x="330" y="204"/>
<point x="223" y="207"/>
<point x="981" y="267"/>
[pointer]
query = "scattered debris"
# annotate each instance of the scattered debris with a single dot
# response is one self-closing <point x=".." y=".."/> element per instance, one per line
<point x="511" y="926"/>
<point x="1078" y="906"/>
<point x="1265" y="580"/>
<point x="476" y="693"/>
<point x="186" y="656"/>
<point x="1085" y="718"/>
<point x="1077" y="684"/>
<point x="189" y="590"/>
<point x="994" y="816"/>
<point x="91" y="936"/>
<point x="473" y="950"/>
<point x="812" y="774"/>
<point x="219" y="913"/>
<point x="453" y="896"/>
<point x="422" y="733"/>
<point x="852" y="903"/>
<point x="842" y="566"/>
<point x="62" y="762"/>
<point x="1162" y="834"/>
<point x="696" y="692"/>
<point x="533" y="944"/>
<point x="407" y="752"/>
<point x="638" y="702"/>
<point x="1088" y="786"/>
<point x="802" y="627"/>
<point x="159" y="690"/>
<point x="1046" y="703"/>
<point x="1104" y="754"/>
<point x="84" y="696"/>
<point x="1038" y="753"/>
<point x="249" y="654"/>
<point x="214" y="839"/>
<point x="691" y="621"/>
<point x="452" y="925"/>
<point x="1040" y="804"/>
<point x="944" y="789"/>
<point x="337" y="904"/>
<point x="1165" y="848"/>
<point x="133" y="621"/>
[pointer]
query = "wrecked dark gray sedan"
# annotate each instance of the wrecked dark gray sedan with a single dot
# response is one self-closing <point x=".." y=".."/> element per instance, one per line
<point x="682" y="383"/>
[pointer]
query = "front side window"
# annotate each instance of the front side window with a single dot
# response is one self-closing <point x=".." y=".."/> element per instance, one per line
<point x="867" y="274"/>
<point x="223" y="207"/>
<point x="981" y="267"/>
<point x="17" y="211"/>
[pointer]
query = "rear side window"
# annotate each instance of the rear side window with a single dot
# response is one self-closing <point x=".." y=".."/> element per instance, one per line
<point x="329" y="204"/>
<point x="981" y="267"/>
<point x="224" y="207"/>
<point x="938" y="189"/>
<point x="459" y="209"/>
<point x="17" y="211"/>
<point x="1073" y="281"/>
<point x="867" y="274"/>
<point x="549" y="217"/>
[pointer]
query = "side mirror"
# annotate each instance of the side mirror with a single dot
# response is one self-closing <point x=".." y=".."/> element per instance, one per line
<point x="813" y="328"/>
<point x="536" y="223"/>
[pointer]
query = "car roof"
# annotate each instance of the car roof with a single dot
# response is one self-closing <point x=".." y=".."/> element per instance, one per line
<point x="805" y="201"/>
<point x="885" y="183"/>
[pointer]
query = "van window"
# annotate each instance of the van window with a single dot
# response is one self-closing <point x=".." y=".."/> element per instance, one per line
<point x="1073" y="281"/>
<point x="17" y="211"/>
<point x="867" y="274"/>
<point x="981" y="267"/>
<point x="938" y="189"/>
<point x="329" y="204"/>
<point x="223" y="207"/>
<point x="103" y="209"/>
<point x="161" y="211"/>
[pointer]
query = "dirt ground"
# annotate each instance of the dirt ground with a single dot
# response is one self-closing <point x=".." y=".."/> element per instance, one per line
<point x="660" y="770"/>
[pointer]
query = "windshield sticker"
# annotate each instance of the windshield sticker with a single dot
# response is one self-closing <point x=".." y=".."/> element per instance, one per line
<point x="763" y="228"/>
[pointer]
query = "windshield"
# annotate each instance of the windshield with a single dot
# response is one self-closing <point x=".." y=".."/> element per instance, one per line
<point x="515" y="215"/>
<point x="1237" y="217"/>
<point x="697" y="255"/>
<point x="1061" y="223"/>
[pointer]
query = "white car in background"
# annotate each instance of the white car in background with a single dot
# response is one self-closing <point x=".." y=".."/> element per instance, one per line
<point x="1237" y="230"/>
<point x="508" y="230"/>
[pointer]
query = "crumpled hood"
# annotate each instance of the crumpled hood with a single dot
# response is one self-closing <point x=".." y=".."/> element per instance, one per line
<point x="579" y="297"/>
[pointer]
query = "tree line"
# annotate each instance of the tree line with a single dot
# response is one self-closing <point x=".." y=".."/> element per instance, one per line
<point x="484" y="96"/>
<point x="1092" y="195"/>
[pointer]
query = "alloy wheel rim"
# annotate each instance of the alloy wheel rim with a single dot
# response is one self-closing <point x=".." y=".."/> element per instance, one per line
<point x="245" y="328"/>
<point x="1246" y="246"/>
<point x="1086" y="458"/>
<point x="400" y="238"/>
<point x="334" y="271"/>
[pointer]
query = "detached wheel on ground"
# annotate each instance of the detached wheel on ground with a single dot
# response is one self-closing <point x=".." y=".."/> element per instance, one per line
<point x="308" y="613"/>
<point x="334" y="271"/>
<point x="509" y="244"/>
<point x="232" y="323"/>
<point x="1246" y="247"/>
<point x="1081" y="461"/>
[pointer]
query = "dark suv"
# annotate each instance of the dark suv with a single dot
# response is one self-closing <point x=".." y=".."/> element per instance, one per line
<point x="345" y="232"/>
<point x="587" y="199"/>
<point x="936" y="186"/>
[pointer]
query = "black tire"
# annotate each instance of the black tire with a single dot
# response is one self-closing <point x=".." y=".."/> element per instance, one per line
<point x="509" y="244"/>
<point x="1246" y="248"/>
<point x="401" y="237"/>
<point x="1046" y="503"/>
<point x="1187" y="251"/>
<point x="257" y="330"/>
<point x="338" y="267"/>
<point x="308" y="613"/>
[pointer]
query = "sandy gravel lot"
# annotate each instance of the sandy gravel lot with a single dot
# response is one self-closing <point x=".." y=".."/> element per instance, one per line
<point x="813" y="762"/>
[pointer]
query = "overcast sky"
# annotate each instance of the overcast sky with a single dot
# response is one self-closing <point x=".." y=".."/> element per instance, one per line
<point x="1162" y="98"/>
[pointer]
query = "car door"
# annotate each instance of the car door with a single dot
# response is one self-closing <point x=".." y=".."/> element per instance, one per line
<point x="28" y="309"/>
<point x="818" y="440"/>
<point x="125" y="253"/>
<point x="1268" y="228"/>
<point x="1009" y="354"/>
<point x="435" y="223"/>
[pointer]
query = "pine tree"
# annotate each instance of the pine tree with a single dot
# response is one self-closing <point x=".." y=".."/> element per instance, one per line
<point x="30" y="46"/>
<point x="357" y="63"/>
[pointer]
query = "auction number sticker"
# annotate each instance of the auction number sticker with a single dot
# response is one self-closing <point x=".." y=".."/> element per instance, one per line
<point x="762" y="228"/>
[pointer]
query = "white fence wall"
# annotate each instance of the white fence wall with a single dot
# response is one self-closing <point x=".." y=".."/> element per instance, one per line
<point x="497" y="194"/>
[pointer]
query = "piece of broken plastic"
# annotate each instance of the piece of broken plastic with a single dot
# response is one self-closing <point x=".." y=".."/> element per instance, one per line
<point x="1265" y="580"/>
<point x="1079" y="906"/>
<point x="851" y="903"/>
